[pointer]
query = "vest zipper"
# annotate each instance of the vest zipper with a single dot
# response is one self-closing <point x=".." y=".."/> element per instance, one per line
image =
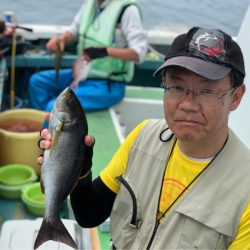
<point x="157" y="223"/>
<point x="134" y="221"/>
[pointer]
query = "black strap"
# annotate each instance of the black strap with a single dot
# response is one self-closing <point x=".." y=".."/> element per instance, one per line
<point x="121" y="14"/>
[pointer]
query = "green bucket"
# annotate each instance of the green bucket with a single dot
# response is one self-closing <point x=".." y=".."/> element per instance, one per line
<point x="16" y="174"/>
<point x="34" y="199"/>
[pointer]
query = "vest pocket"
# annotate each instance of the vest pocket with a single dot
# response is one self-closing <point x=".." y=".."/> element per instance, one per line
<point x="196" y="235"/>
<point x="124" y="218"/>
<point x="134" y="222"/>
<point x="205" y="225"/>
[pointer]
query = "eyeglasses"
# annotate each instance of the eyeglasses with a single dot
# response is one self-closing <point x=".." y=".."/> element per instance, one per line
<point x="203" y="96"/>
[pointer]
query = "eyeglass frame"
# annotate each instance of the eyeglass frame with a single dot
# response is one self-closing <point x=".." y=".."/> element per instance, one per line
<point x="196" y="92"/>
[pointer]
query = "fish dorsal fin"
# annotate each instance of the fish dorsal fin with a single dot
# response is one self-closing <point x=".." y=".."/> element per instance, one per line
<point x="55" y="137"/>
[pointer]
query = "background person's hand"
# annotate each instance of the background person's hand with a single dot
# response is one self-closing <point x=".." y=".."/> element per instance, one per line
<point x="52" y="43"/>
<point x="80" y="70"/>
<point x="77" y="66"/>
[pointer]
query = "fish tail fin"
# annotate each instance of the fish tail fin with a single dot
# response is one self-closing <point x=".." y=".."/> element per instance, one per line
<point x="55" y="231"/>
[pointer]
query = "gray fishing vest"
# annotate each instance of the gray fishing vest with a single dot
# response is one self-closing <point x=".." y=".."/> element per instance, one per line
<point x="207" y="217"/>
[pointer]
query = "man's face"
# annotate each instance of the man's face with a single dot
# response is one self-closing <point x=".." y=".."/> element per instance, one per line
<point x="193" y="121"/>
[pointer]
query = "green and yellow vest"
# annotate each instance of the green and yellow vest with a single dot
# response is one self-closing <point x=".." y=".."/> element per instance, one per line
<point x="99" y="31"/>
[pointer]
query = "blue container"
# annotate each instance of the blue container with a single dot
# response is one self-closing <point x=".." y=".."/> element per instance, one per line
<point x="9" y="16"/>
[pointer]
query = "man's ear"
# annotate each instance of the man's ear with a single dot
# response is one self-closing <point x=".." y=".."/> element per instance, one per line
<point x="237" y="96"/>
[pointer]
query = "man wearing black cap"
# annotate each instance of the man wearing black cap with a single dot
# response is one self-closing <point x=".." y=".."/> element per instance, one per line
<point x="181" y="182"/>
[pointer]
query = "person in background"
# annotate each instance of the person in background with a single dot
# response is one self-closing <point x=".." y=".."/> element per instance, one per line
<point x="110" y="35"/>
<point x="6" y="37"/>
<point x="182" y="182"/>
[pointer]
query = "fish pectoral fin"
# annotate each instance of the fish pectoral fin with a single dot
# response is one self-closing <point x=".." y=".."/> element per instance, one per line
<point x="59" y="127"/>
<point x="56" y="231"/>
<point x="56" y="135"/>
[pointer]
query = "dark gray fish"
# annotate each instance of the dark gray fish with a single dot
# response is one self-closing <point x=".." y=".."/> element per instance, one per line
<point x="62" y="164"/>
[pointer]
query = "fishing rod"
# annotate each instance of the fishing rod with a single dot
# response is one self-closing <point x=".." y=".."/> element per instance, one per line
<point x="22" y="27"/>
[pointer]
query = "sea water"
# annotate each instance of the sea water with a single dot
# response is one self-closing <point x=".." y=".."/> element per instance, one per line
<point x="177" y="15"/>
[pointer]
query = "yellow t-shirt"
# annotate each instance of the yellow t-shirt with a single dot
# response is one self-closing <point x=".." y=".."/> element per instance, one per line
<point x="181" y="170"/>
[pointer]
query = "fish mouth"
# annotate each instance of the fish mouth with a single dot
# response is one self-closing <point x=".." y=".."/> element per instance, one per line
<point x="67" y="91"/>
<point x="65" y="97"/>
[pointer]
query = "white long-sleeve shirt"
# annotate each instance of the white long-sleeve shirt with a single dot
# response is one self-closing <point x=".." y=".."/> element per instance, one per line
<point x="130" y="35"/>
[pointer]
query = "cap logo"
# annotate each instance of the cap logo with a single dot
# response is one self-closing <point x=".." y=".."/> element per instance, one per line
<point x="209" y="44"/>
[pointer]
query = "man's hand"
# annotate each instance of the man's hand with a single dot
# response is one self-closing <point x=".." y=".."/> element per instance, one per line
<point x="45" y="143"/>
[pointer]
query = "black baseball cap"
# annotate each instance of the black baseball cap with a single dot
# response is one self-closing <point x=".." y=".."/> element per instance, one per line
<point x="210" y="53"/>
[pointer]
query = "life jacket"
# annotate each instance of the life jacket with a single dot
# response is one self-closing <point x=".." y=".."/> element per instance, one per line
<point x="208" y="215"/>
<point x="99" y="31"/>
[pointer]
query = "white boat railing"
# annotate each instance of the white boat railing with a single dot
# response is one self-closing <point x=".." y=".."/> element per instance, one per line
<point x="239" y="119"/>
<point x="159" y="37"/>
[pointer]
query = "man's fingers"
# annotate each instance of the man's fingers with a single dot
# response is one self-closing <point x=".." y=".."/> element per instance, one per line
<point x="45" y="141"/>
<point x="45" y="134"/>
<point x="89" y="140"/>
<point x="40" y="160"/>
<point x="44" y="144"/>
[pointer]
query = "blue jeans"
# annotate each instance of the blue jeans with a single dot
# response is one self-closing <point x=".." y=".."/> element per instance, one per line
<point x="93" y="94"/>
